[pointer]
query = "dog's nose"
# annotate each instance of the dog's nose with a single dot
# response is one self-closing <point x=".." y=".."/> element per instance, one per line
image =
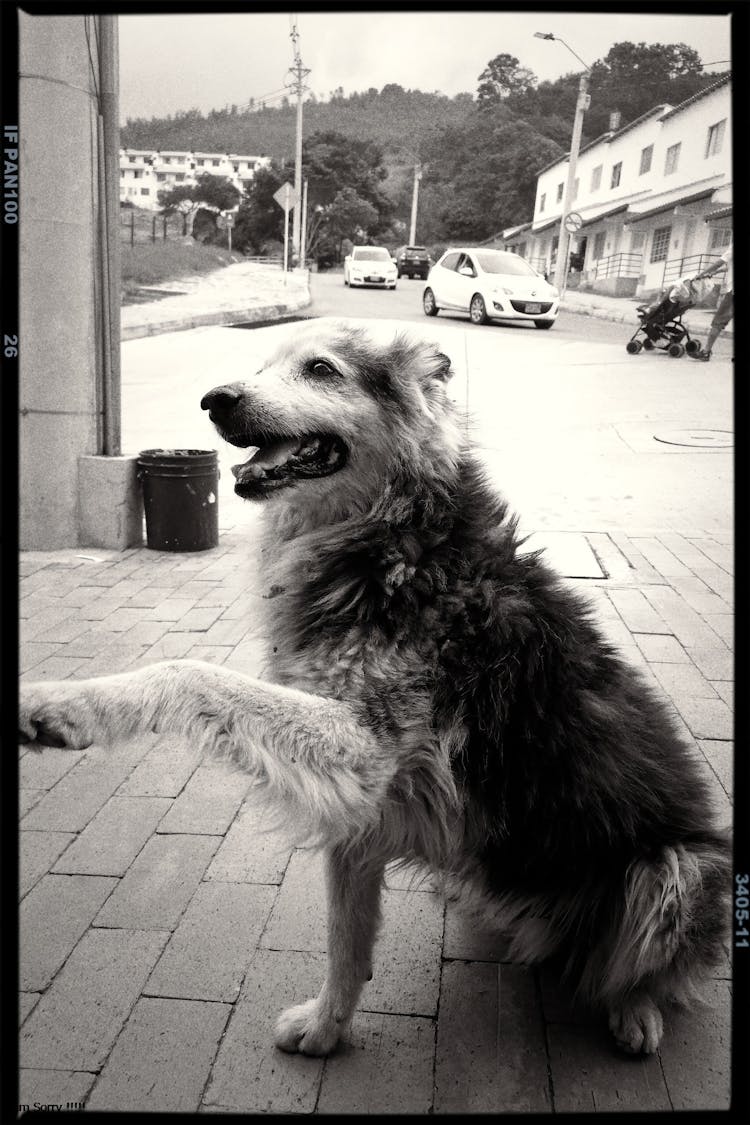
<point x="221" y="400"/>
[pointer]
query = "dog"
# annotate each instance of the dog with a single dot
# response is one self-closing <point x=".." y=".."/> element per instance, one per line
<point x="435" y="695"/>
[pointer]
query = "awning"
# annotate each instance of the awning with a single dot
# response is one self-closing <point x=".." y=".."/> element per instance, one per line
<point x="719" y="214"/>
<point x="511" y="232"/>
<point x="546" y="226"/>
<point x="589" y="220"/>
<point x="668" y="204"/>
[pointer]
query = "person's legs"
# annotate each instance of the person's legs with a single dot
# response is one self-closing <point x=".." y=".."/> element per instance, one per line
<point x="722" y="316"/>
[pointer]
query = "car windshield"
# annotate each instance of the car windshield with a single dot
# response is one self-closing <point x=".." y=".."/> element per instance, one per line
<point x="371" y="254"/>
<point x="500" y="262"/>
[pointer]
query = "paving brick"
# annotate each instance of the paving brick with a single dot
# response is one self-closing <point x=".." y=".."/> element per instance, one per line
<point x="150" y="597"/>
<point x="100" y="609"/>
<point x="124" y="618"/>
<point x="198" y="619"/>
<point x="80" y="794"/>
<point x="610" y="557"/>
<point x="250" y="1075"/>
<point x="43" y="770"/>
<point x="64" y="1088"/>
<point x="250" y="853"/>
<point x="37" y="854"/>
<point x="636" y="612"/>
<point x="589" y="1076"/>
<point x="706" y="718"/>
<point x="683" y="549"/>
<point x="66" y="630"/>
<point x="82" y="595"/>
<point x="491" y="1055"/>
<point x="56" y="668"/>
<point x="616" y="632"/>
<point x="145" y="633"/>
<point x="116" y="658"/>
<point x="406" y="961"/>
<point x="114" y="837"/>
<point x="27" y="1001"/>
<point x="249" y="657"/>
<point x="214" y="654"/>
<point x="683" y="679"/>
<point x="385" y="1067"/>
<point x="37" y="627"/>
<point x="719" y="554"/>
<point x="298" y="919"/>
<point x="170" y="609"/>
<point x="32" y="653"/>
<point x="699" y="597"/>
<point x="660" y="557"/>
<point x="160" y="882"/>
<point x="78" y="1019"/>
<point x="687" y="625"/>
<point x="53" y="916"/>
<point x="725" y="689"/>
<point x="723" y="625"/>
<point x="209" y="801"/>
<point x="696" y="1052"/>
<point x="164" y="771"/>
<point x="643" y="570"/>
<point x="661" y="648"/>
<point x="162" y="1059"/>
<point x="467" y="938"/>
<point x="719" y="582"/>
<point x="172" y="646"/>
<point x="720" y="757"/>
<point x="27" y="798"/>
<point x="209" y="952"/>
<point x="716" y="661"/>
<point x="228" y="631"/>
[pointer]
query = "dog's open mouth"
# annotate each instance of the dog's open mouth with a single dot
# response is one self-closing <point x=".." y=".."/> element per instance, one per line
<point x="278" y="461"/>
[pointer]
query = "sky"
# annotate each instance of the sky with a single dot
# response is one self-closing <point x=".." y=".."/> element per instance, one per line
<point x="178" y="62"/>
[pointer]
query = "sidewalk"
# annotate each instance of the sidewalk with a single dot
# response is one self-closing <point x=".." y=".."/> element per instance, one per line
<point x="623" y="309"/>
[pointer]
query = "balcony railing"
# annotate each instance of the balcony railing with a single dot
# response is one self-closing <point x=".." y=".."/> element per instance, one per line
<point x="618" y="265"/>
<point x="687" y="266"/>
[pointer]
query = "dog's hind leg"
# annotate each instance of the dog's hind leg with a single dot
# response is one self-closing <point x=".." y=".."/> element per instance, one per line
<point x="318" y="764"/>
<point x="353" y="891"/>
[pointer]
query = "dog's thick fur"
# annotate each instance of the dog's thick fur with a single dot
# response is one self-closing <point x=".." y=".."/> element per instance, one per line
<point x="434" y="695"/>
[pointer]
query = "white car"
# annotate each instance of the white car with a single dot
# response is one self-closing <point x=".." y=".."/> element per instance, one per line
<point x="370" y="265"/>
<point x="490" y="285"/>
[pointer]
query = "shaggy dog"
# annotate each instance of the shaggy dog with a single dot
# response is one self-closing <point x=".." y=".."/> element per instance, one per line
<point x="434" y="695"/>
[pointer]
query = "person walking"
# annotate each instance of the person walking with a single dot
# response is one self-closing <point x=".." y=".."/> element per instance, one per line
<point x="725" y="308"/>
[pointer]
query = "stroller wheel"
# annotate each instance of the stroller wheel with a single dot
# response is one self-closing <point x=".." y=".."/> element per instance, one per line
<point x="648" y="345"/>
<point x="676" y="350"/>
<point x="633" y="347"/>
<point x="692" y="347"/>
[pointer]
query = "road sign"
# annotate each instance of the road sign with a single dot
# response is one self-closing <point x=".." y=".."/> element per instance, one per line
<point x="224" y="221"/>
<point x="573" y="222"/>
<point x="285" y="197"/>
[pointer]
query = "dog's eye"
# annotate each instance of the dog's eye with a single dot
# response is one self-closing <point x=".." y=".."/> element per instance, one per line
<point x="320" y="368"/>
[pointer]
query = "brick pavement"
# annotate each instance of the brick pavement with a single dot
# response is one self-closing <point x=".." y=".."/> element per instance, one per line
<point x="162" y="928"/>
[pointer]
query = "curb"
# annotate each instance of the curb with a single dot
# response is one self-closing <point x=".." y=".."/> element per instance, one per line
<point x="219" y="316"/>
<point x="604" y="312"/>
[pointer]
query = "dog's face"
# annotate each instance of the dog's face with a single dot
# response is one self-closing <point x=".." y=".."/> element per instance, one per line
<point x="332" y="410"/>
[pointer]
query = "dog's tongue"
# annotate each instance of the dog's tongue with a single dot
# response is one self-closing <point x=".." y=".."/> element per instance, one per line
<point x="267" y="457"/>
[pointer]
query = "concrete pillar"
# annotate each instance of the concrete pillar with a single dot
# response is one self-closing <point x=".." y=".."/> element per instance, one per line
<point x="62" y="294"/>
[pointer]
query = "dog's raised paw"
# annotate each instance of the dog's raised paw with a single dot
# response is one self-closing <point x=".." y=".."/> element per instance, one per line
<point x="637" y="1025"/>
<point x="304" y="1030"/>
<point x="47" y="718"/>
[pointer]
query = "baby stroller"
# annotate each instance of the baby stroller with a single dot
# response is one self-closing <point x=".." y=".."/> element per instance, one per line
<point x="661" y="326"/>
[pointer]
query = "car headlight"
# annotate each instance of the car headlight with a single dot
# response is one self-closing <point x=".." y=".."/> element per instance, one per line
<point x="554" y="291"/>
<point x="501" y="289"/>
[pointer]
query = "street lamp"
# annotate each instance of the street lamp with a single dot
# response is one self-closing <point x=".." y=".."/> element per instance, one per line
<point x="582" y="104"/>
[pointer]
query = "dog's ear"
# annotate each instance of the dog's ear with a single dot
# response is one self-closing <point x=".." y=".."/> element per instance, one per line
<point x="442" y="369"/>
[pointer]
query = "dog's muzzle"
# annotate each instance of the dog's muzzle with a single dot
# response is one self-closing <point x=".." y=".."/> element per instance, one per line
<point x="279" y="458"/>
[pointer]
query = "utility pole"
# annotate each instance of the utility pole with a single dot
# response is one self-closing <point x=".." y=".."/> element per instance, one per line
<point x="414" y="198"/>
<point x="300" y="73"/>
<point x="303" y="237"/>
<point x="563" y="245"/>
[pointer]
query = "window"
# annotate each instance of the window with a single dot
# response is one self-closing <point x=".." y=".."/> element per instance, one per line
<point x="720" y="239"/>
<point x="560" y="188"/>
<point x="542" y="201"/>
<point x="201" y="162"/>
<point x="673" y="156"/>
<point x="596" y="178"/>
<point x="637" y="241"/>
<point x="145" y="191"/>
<point x="465" y="263"/>
<point x="450" y="261"/>
<point x="167" y="159"/>
<point x="161" y="177"/>
<point x="131" y="159"/>
<point x="522" y="249"/>
<point x="660" y="244"/>
<point x="215" y="163"/>
<point x="715" y="138"/>
<point x="599" y="244"/>
<point x="616" y="173"/>
<point x="236" y="167"/>
<point x="180" y="176"/>
<point x="646" y="157"/>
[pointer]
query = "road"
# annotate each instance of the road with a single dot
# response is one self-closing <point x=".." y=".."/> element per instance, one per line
<point x="577" y="434"/>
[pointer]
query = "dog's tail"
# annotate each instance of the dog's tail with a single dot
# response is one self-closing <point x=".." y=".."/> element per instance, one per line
<point x="668" y="926"/>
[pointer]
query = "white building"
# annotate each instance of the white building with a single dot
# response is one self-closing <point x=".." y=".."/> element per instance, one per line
<point x="145" y="172"/>
<point x="655" y="198"/>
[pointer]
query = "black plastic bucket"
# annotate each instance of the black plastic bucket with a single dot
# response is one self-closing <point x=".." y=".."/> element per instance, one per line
<point x="180" y="498"/>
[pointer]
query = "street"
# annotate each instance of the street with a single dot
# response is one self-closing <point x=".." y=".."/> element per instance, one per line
<point x="576" y="432"/>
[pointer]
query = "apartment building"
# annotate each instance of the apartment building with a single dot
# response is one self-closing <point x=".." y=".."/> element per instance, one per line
<point x="654" y="198"/>
<point x="145" y="172"/>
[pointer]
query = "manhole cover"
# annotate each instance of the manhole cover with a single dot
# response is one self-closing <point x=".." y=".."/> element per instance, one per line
<point x="702" y="439"/>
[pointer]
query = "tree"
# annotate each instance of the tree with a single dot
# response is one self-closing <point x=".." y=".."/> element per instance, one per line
<point x="260" y="219"/>
<point x="215" y="193"/>
<point x="332" y="162"/>
<point x="502" y="77"/>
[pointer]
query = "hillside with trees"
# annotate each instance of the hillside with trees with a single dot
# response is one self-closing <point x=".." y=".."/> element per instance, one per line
<point x="480" y="154"/>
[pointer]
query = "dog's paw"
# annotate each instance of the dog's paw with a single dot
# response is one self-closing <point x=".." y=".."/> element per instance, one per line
<point x="307" y="1030"/>
<point x="54" y="714"/>
<point x="637" y="1025"/>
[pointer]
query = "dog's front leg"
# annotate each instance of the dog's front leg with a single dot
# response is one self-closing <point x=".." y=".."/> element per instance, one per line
<point x="316" y="761"/>
<point x="353" y="885"/>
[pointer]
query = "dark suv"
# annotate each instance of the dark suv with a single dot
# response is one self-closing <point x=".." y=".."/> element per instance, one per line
<point x="414" y="261"/>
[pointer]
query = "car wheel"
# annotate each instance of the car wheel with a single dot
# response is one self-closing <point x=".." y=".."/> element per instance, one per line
<point x="345" y="281"/>
<point x="478" y="310"/>
<point x="544" y="323"/>
<point x="428" y="303"/>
